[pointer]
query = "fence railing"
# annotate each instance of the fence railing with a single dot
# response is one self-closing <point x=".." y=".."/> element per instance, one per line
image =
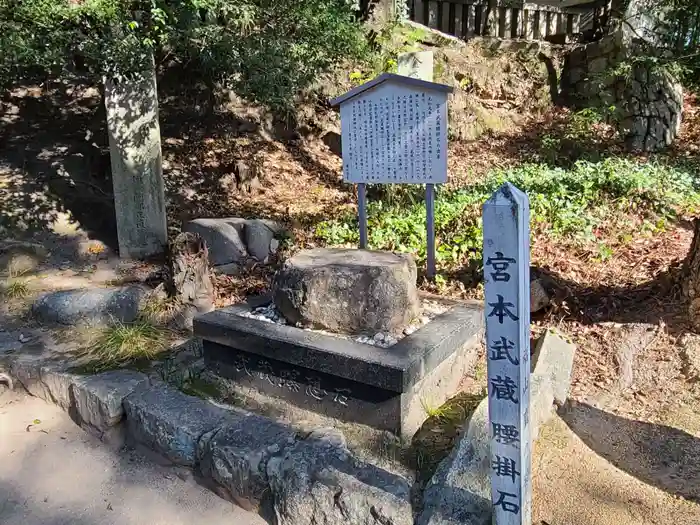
<point x="465" y="18"/>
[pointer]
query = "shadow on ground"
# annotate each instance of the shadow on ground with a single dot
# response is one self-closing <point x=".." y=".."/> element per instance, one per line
<point x="658" y="300"/>
<point x="665" y="457"/>
<point x="54" y="159"/>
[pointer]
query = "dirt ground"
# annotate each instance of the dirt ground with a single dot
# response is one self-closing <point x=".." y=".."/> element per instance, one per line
<point x="616" y="471"/>
<point x="53" y="473"/>
<point x="625" y="449"/>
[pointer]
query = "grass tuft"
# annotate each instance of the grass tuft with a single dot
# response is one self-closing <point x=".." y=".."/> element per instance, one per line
<point x="440" y="412"/>
<point x="15" y="289"/>
<point x="124" y="343"/>
<point x="437" y="436"/>
<point x="160" y="310"/>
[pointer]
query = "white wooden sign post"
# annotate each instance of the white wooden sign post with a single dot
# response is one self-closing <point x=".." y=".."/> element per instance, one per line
<point x="394" y="130"/>
<point x="506" y="255"/>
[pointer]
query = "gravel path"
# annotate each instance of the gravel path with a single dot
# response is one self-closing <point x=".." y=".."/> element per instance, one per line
<point x="53" y="473"/>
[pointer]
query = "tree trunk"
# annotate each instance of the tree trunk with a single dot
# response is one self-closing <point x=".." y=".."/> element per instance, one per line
<point x="691" y="284"/>
<point x="137" y="173"/>
<point x="189" y="280"/>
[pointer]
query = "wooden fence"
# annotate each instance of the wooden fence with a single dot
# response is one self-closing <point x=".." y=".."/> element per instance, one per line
<point x="465" y="18"/>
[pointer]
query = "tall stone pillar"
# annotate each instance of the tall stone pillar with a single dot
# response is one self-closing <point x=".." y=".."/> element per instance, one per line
<point x="137" y="172"/>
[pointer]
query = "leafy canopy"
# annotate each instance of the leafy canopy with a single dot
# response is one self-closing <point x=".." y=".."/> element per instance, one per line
<point x="672" y="29"/>
<point x="265" y="49"/>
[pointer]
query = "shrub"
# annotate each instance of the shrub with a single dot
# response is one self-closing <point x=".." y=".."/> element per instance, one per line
<point x="568" y="205"/>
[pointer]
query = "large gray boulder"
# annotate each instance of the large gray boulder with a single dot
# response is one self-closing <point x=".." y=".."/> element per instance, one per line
<point x="92" y="305"/>
<point x="223" y="238"/>
<point x="318" y="481"/>
<point x="345" y="290"/>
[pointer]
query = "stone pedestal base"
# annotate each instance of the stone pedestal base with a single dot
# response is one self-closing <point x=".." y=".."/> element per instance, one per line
<point x="385" y="388"/>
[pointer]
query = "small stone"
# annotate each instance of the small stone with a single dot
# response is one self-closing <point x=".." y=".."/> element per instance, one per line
<point x="259" y="235"/>
<point x="274" y="246"/>
<point x="539" y="298"/>
<point x="378" y="338"/>
<point x="424" y="319"/>
<point x="23" y="338"/>
<point x="410" y="329"/>
<point x="222" y="237"/>
<point x="228" y="269"/>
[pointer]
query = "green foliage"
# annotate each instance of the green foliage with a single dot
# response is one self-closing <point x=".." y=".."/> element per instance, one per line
<point x="565" y="204"/>
<point x="391" y="40"/>
<point x="672" y="30"/>
<point x="275" y="48"/>
<point x="267" y="50"/>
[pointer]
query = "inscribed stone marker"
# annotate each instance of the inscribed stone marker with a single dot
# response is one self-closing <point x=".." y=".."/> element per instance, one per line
<point x="416" y="64"/>
<point x="507" y="275"/>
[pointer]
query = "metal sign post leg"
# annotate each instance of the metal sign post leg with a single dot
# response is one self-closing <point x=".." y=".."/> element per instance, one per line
<point x="362" y="209"/>
<point x="430" y="215"/>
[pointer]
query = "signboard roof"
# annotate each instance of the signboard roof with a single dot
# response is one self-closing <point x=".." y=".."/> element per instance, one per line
<point x="391" y="77"/>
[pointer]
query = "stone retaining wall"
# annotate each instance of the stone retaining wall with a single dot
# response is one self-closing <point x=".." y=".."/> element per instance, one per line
<point x="648" y="101"/>
<point x="264" y="465"/>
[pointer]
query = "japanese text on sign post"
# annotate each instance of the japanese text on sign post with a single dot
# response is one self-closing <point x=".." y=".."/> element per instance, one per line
<point x="507" y="276"/>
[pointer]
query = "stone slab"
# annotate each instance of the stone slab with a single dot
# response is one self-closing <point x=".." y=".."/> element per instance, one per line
<point x="554" y="358"/>
<point x="97" y="401"/>
<point x="460" y="490"/>
<point x="170" y="422"/>
<point x="318" y="481"/>
<point x="234" y="457"/>
<point x="26" y="369"/>
<point x="48" y="380"/>
<point x="396" y="368"/>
